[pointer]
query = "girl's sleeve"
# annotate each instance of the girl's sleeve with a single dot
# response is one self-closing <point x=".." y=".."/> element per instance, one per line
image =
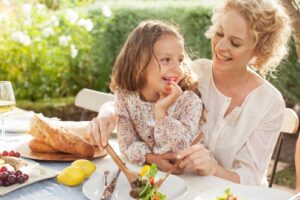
<point x="177" y="130"/>
<point x="130" y="145"/>
<point x="251" y="162"/>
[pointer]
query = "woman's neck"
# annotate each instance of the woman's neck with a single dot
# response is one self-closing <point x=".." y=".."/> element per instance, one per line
<point x="232" y="83"/>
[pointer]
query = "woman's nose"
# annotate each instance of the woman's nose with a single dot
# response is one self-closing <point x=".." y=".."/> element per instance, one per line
<point x="221" y="45"/>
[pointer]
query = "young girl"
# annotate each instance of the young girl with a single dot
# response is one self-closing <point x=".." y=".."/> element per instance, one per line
<point x="156" y="99"/>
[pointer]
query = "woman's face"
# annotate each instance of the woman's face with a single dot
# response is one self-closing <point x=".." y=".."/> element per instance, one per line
<point x="232" y="44"/>
<point x="165" y="65"/>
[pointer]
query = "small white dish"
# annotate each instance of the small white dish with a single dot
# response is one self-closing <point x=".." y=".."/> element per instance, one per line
<point x="246" y="192"/>
<point x="44" y="173"/>
<point x="174" y="187"/>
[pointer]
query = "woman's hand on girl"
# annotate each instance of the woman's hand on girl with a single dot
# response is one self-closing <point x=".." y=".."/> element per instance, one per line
<point x="198" y="158"/>
<point x="163" y="161"/>
<point x="167" y="98"/>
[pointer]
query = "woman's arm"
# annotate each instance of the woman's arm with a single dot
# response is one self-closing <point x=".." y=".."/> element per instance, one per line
<point x="101" y="126"/>
<point x="200" y="159"/>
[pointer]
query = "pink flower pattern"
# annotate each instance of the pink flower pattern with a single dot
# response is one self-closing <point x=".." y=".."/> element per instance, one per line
<point x="139" y="133"/>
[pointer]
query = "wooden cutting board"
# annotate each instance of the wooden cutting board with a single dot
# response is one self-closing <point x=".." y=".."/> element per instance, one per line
<point x="25" y="152"/>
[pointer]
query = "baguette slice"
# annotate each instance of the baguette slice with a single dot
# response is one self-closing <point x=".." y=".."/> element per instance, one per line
<point x="59" y="138"/>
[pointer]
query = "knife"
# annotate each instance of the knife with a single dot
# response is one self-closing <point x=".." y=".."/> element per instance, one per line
<point x="108" y="191"/>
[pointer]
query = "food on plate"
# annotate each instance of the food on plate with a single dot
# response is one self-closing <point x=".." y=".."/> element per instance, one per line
<point x="71" y="176"/>
<point x="59" y="138"/>
<point x="11" y="153"/>
<point x="12" y="163"/>
<point x="144" y="188"/>
<point x="87" y="166"/>
<point x="37" y="146"/>
<point x="227" y="196"/>
<point x="11" y="169"/>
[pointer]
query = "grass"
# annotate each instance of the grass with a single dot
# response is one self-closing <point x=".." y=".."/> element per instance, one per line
<point x="286" y="177"/>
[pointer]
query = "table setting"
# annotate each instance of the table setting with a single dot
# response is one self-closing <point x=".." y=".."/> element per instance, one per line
<point x="46" y="186"/>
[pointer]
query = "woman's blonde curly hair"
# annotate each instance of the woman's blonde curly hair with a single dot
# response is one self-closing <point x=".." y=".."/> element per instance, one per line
<point x="270" y="25"/>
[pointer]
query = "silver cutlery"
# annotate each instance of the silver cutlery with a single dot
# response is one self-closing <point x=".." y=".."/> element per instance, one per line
<point x="108" y="190"/>
<point x="106" y="172"/>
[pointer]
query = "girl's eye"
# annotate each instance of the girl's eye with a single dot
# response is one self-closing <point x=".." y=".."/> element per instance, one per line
<point x="165" y="60"/>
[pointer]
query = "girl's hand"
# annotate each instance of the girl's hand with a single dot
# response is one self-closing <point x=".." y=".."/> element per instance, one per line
<point x="163" y="161"/>
<point x="167" y="98"/>
<point x="198" y="158"/>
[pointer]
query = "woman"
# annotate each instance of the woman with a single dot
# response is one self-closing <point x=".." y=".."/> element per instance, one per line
<point x="244" y="110"/>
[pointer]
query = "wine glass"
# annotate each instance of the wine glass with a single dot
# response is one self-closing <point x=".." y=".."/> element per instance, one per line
<point x="7" y="104"/>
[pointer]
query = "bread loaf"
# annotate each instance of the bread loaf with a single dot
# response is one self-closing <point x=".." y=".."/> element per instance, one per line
<point x="59" y="138"/>
<point x="37" y="146"/>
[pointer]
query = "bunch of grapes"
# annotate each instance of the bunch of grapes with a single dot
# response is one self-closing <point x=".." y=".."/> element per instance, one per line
<point x="8" y="178"/>
<point x="11" y="153"/>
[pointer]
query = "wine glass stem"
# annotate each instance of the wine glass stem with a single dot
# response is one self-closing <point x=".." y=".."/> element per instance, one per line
<point x="2" y="134"/>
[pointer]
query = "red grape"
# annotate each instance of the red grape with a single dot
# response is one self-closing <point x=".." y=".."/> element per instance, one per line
<point x="12" y="153"/>
<point x="5" y="153"/>
<point x="4" y="175"/>
<point x="3" y="169"/>
<point x="18" y="172"/>
<point x="12" y="179"/>
<point x="25" y="176"/>
<point x="17" y="154"/>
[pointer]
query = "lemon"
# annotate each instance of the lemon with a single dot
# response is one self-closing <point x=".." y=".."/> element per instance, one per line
<point x="71" y="176"/>
<point x="87" y="166"/>
<point x="144" y="170"/>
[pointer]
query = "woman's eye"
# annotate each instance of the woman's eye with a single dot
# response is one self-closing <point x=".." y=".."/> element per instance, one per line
<point x="235" y="44"/>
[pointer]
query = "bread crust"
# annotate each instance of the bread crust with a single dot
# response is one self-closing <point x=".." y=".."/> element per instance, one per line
<point x="59" y="138"/>
<point x="37" y="146"/>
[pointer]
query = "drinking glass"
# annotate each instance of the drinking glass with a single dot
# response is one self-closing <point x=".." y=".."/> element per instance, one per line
<point x="7" y="104"/>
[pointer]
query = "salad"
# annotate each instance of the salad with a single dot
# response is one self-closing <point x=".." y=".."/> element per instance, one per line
<point x="144" y="188"/>
<point x="228" y="195"/>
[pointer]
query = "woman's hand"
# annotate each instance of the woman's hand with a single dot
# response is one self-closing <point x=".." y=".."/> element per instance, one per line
<point x="167" y="98"/>
<point x="198" y="158"/>
<point x="163" y="161"/>
<point x="101" y="126"/>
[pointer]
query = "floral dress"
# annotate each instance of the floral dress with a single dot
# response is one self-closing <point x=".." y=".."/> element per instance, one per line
<point x="139" y="133"/>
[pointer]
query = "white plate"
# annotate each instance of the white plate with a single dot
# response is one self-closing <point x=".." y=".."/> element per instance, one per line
<point x="173" y="188"/>
<point x="247" y="193"/>
<point x="45" y="173"/>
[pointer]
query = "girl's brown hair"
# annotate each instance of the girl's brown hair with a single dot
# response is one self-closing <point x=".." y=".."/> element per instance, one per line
<point x="129" y="69"/>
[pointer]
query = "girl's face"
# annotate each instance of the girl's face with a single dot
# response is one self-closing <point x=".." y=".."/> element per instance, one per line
<point x="232" y="44"/>
<point x="164" y="67"/>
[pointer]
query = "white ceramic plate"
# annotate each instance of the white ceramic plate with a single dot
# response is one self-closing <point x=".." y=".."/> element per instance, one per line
<point x="174" y="187"/>
<point x="247" y="193"/>
<point x="45" y="173"/>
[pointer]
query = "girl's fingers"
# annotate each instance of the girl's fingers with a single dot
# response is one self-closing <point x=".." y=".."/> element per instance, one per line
<point x="96" y="131"/>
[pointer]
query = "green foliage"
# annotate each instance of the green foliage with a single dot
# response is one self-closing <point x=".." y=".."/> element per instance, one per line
<point x="45" y="54"/>
<point x="286" y="177"/>
<point x="287" y="80"/>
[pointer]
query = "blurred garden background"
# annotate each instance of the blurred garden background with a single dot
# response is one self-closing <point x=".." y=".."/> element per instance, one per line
<point x="51" y="49"/>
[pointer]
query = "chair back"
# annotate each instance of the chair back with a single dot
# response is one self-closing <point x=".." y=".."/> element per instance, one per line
<point x="290" y="121"/>
<point x="289" y="125"/>
<point x="91" y="100"/>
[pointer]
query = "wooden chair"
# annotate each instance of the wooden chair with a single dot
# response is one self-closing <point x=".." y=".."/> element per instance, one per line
<point x="289" y="126"/>
<point x="91" y="100"/>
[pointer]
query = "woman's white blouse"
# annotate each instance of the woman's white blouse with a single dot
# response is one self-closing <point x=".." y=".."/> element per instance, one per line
<point x="244" y="140"/>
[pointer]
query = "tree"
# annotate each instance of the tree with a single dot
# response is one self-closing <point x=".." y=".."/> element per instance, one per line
<point x="293" y="9"/>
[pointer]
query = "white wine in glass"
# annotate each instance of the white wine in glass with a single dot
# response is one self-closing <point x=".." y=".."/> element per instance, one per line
<point x="7" y="104"/>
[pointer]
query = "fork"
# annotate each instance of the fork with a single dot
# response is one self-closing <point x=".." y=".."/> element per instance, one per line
<point x="106" y="172"/>
<point x="177" y="163"/>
